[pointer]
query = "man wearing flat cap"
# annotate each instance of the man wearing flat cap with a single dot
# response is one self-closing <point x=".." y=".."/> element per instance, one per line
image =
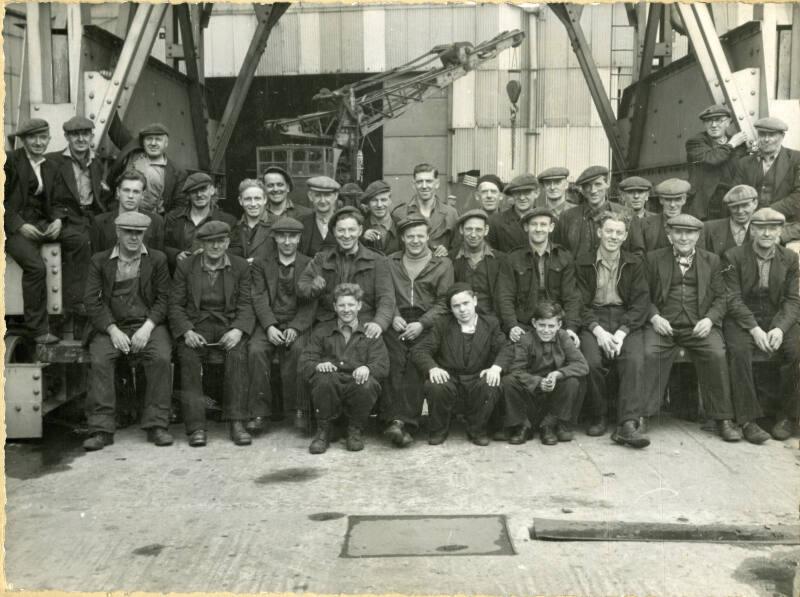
<point x="720" y="235"/>
<point x="554" y="190"/>
<point x="762" y="281"/>
<point x="283" y="322"/>
<point x="250" y="237"/>
<point x="672" y="194"/>
<point x="279" y="184"/>
<point x="687" y="309"/>
<point x="147" y="153"/>
<point x="211" y="316"/>
<point x="489" y="193"/>
<point x="505" y="227"/>
<point x="712" y="156"/>
<point x="350" y="195"/>
<point x="127" y="293"/>
<point x="182" y="224"/>
<point x="323" y="193"/>
<point x="28" y="220"/>
<point x="634" y="192"/>
<point x="421" y="281"/>
<point x="476" y="263"/>
<point x="380" y="230"/>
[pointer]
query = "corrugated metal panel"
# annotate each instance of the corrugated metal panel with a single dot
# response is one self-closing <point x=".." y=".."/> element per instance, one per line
<point x="464" y="23"/>
<point x="418" y="30"/>
<point x="511" y="17"/>
<point x="309" y="46"/>
<point x="396" y="50"/>
<point x="239" y="33"/>
<point x="575" y="148"/>
<point x="219" y="51"/>
<point x="442" y="31"/>
<point x="463" y="94"/>
<point x="374" y="40"/>
<point x="554" y="50"/>
<point x="486" y="98"/>
<point x="605" y="77"/>
<point x="485" y="158"/>
<point x="351" y="39"/>
<point x="504" y="104"/>
<point x="503" y="167"/>
<point x="330" y="25"/>
<point x="463" y="150"/>
<point x="596" y="22"/>
<point x="620" y="15"/>
<point x="487" y="22"/>
<point x="563" y="98"/>
<point x="282" y="55"/>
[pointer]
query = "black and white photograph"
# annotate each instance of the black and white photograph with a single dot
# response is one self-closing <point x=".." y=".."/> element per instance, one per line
<point x="402" y="298"/>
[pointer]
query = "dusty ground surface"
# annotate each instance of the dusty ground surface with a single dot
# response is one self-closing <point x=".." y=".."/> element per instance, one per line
<point x="272" y="517"/>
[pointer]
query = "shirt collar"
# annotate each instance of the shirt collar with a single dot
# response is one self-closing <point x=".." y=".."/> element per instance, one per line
<point x="34" y="161"/>
<point x="547" y="250"/>
<point x="68" y="153"/>
<point x="226" y="263"/>
<point x="470" y="326"/>
<point x="764" y="256"/>
<point x="115" y="252"/>
<point x="600" y="258"/>
<point x="487" y="251"/>
<point x="353" y="328"/>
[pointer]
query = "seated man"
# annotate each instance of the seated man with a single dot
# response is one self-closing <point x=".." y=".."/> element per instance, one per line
<point x="721" y="235"/>
<point x="459" y="357"/>
<point x="380" y="231"/>
<point x="543" y="376"/>
<point x="323" y="195"/>
<point x="762" y="280"/>
<point x="127" y="291"/>
<point x="688" y="305"/>
<point x="283" y="323"/>
<point x="251" y="235"/>
<point x="634" y="192"/>
<point x="343" y="367"/>
<point x="671" y="195"/>
<point x="211" y="308"/>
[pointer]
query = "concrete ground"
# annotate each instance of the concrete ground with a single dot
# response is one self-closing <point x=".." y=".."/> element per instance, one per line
<point x="273" y="518"/>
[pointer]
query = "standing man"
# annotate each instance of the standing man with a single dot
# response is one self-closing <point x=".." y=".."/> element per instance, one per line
<point x="283" y="322"/>
<point x="616" y="301"/>
<point x="127" y="292"/>
<point x="712" y="157"/>
<point x="317" y="233"/>
<point x="350" y="195"/>
<point x="555" y="184"/>
<point x="380" y="230"/>
<point x="251" y="235"/>
<point x="634" y="192"/>
<point x="762" y="280"/>
<point x="505" y="228"/>
<point x="460" y="358"/>
<point x="421" y="281"/>
<point x="279" y="184"/>
<point x="671" y="195"/>
<point x="28" y="221"/>
<point x="721" y="235"/>
<point x="211" y="309"/>
<point x="441" y="217"/>
<point x="490" y="193"/>
<point x="688" y="305"/>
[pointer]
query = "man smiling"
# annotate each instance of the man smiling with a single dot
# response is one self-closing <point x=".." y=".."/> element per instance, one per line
<point x="250" y="238"/>
<point x="279" y="184"/>
<point x="380" y="230"/>
<point x="724" y="234"/>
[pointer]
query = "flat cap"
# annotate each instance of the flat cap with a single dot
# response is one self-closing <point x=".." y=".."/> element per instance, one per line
<point x="635" y="183"/>
<point x="473" y="213"/>
<point x="374" y="189"/>
<point x="78" y="123"/>
<point x="557" y="172"/>
<point x="522" y="182"/>
<point x="154" y="128"/>
<point x="591" y="173"/>
<point x="741" y="193"/>
<point x="350" y="189"/>
<point x="346" y="212"/>
<point x="278" y="170"/>
<point x="287" y="224"/>
<point x="766" y="216"/>
<point x="492" y="178"/>
<point x="196" y="181"/>
<point x="213" y="229"/>
<point x="458" y="288"/>
<point x="132" y="220"/>
<point x="410" y="222"/>
<point x="685" y="222"/>
<point x="31" y="127"/>
<point x="776" y="125"/>
<point x="713" y="111"/>
<point x="323" y="184"/>
<point x="672" y="187"/>
<point x="539" y="211"/>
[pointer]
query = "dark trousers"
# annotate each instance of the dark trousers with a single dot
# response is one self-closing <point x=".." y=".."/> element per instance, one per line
<point x="708" y="355"/>
<point x="234" y="385"/>
<point x="260" y="353"/>
<point x="523" y="407"/>
<point x="746" y="401"/>
<point x="34" y="281"/>
<point x="76" y="252"/>
<point x="479" y="402"/>
<point x="629" y="364"/>
<point x="336" y="393"/>
<point x="101" y="398"/>
<point x="403" y="396"/>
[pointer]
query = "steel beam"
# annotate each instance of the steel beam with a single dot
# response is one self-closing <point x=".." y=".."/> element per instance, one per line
<point x="197" y="98"/>
<point x="570" y="17"/>
<point x="205" y="14"/>
<point x="267" y="19"/>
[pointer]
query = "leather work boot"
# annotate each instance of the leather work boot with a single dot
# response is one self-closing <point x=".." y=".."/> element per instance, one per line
<point x="256" y="425"/>
<point x="597" y="428"/>
<point x="197" y="439"/>
<point x="239" y="434"/>
<point x="481" y="438"/>
<point x="321" y="441"/>
<point x="399" y="436"/>
<point x="354" y="441"/>
<point x="563" y="432"/>
<point x="627" y="434"/>
<point x="548" y="435"/>
<point x="98" y="440"/>
<point x="782" y="430"/>
<point x="728" y="431"/>
<point x="754" y="434"/>
<point x="501" y="435"/>
<point x="159" y="436"/>
<point x="518" y="436"/>
<point x="436" y="438"/>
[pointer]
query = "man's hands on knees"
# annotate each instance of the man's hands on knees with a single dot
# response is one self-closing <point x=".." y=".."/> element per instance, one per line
<point x="492" y="376"/>
<point x="438" y="376"/>
<point x="361" y="374"/>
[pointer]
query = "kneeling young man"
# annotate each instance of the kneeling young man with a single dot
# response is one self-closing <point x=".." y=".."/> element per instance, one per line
<point x="343" y="366"/>
<point x="544" y="374"/>
<point x="461" y="357"/>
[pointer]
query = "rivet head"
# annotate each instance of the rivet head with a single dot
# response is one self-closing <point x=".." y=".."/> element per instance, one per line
<point x="91" y="76"/>
<point x="91" y="95"/>
<point x="36" y="376"/>
<point x="752" y="92"/>
<point x="36" y="392"/>
<point x="36" y="108"/>
<point x="54" y="289"/>
<point x="18" y="408"/>
<point x="36" y="407"/>
<point x="54" y="252"/>
<point x="92" y="116"/>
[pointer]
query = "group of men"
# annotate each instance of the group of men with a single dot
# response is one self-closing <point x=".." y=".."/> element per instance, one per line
<point x="519" y="311"/>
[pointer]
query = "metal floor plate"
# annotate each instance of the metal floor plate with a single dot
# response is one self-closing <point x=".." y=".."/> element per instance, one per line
<point x="408" y="536"/>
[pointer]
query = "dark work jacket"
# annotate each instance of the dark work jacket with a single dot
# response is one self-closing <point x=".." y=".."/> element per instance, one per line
<point x="718" y="238"/>
<point x="442" y="346"/>
<point x="505" y="231"/>
<point x="311" y="234"/>
<point x="711" y="170"/>
<point x="711" y="301"/>
<point x="528" y="352"/>
<point x="260" y="247"/>
<point x="154" y="288"/>
<point x="631" y="286"/>
<point x="325" y="345"/>
<point x="785" y="196"/>
<point x="388" y="244"/>
<point x="174" y="242"/>
<point x="576" y="232"/>
<point x="741" y="279"/>
<point x="265" y="273"/>
<point x="65" y="200"/>
<point x="184" y="301"/>
<point x="497" y="266"/>
<point x="516" y="301"/>
<point x="654" y="233"/>
<point x="429" y="289"/>
<point x="19" y="173"/>
<point x="104" y="231"/>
